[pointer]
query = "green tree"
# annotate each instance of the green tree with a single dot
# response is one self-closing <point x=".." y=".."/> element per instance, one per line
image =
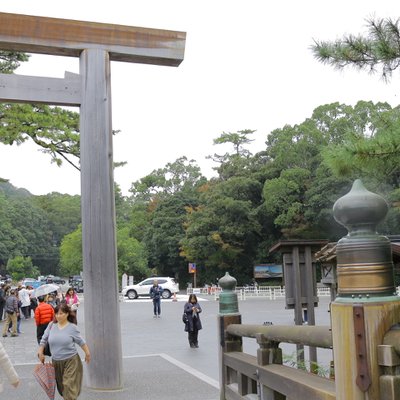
<point x="373" y="151"/>
<point x="71" y="253"/>
<point x="11" y="240"/>
<point x="172" y="178"/>
<point x="159" y="201"/>
<point x="10" y="61"/>
<point x="379" y="48"/>
<point x="63" y="212"/>
<point x="25" y="229"/>
<point x="54" y="129"/>
<point x="377" y="150"/>
<point x="300" y="190"/>
<point x="238" y="140"/>
<point x="223" y="232"/>
<point x="22" y="267"/>
<point x="132" y="255"/>
<point x="236" y="162"/>
<point x="166" y="230"/>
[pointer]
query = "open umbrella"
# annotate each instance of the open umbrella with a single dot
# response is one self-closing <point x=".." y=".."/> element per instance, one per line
<point x="45" y="289"/>
<point x="46" y="376"/>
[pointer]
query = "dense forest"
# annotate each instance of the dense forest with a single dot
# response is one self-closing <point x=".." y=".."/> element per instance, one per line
<point x="175" y="215"/>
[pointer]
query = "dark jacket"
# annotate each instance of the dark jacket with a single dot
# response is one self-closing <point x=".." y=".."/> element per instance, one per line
<point x="155" y="292"/>
<point x="11" y="304"/>
<point x="193" y="323"/>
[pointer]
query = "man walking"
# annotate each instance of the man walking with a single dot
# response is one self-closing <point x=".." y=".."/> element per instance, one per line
<point x="25" y="298"/>
<point x="155" y="294"/>
<point x="11" y="314"/>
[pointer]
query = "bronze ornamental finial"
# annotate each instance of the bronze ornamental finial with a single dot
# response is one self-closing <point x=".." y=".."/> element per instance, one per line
<point x="364" y="258"/>
<point x="228" y="301"/>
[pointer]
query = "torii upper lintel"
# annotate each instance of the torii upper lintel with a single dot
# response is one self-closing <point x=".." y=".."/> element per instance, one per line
<point x="63" y="37"/>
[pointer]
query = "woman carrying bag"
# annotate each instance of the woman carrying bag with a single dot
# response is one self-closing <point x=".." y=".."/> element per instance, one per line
<point x="192" y="309"/>
<point x="62" y="337"/>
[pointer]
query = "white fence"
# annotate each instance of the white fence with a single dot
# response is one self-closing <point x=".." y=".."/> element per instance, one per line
<point x="271" y="292"/>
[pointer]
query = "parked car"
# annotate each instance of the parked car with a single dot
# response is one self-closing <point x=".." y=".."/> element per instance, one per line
<point x="31" y="282"/>
<point x="169" y="286"/>
<point x="77" y="285"/>
<point x="75" y="278"/>
<point x="55" y="279"/>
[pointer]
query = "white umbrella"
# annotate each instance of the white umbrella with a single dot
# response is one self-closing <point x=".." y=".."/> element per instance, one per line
<point x="45" y="289"/>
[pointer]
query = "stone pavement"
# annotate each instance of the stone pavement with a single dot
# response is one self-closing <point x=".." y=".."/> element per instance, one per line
<point x="157" y="361"/>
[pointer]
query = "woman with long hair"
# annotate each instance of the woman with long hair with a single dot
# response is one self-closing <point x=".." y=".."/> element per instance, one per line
<point x="193" y="325"/>
<point x="72" y="300"/>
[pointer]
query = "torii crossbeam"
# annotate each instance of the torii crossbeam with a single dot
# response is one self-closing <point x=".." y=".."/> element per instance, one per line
<point x="96" y="44"/>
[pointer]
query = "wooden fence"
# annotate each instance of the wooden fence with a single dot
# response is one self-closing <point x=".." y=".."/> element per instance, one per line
<point x="264" y="376"/>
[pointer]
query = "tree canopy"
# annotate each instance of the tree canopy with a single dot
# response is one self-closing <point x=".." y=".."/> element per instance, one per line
<point x="379" y="49"/>
<point x="175" y="216"/>
<point x="54" y="129"/>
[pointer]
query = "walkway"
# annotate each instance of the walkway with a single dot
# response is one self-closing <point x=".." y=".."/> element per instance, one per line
<point x="158" y="363"/>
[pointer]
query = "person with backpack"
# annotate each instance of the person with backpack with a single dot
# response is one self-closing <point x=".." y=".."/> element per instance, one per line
<point x="12" y="312"/>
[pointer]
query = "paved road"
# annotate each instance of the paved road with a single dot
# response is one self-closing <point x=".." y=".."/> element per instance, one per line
<point x="156" y="352"/>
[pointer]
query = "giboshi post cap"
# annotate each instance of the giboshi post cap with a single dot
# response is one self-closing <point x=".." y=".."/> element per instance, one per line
<point x="227" y="282"/>
<point x="360" y="209"/>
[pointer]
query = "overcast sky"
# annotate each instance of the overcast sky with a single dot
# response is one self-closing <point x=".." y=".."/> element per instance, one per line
<point x="247" y="65"/>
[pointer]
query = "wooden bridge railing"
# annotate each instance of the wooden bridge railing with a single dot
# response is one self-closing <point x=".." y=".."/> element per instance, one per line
<point x="263" y="376"/>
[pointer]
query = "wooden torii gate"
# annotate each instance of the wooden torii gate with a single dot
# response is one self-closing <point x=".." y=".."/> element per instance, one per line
<point x="96" y="44"/>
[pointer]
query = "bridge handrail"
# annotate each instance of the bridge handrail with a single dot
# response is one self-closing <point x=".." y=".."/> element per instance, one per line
<point x="308" y="335"/>
<point x="274" y="380"/>
<point x="248" y="376"/>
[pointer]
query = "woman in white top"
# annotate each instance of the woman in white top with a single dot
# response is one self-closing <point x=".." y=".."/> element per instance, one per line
<point x="7" y="367"/>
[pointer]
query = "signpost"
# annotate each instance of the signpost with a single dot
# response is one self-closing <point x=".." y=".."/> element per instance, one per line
<point x="193" y="270"/>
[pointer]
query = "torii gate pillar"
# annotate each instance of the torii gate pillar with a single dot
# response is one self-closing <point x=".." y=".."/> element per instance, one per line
<point x="102" y="318"/>
<point x="96" y="45"/>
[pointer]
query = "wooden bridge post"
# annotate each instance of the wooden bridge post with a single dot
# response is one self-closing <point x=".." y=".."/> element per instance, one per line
<point x="228" y="314"/>
<point x="367" y="305"/>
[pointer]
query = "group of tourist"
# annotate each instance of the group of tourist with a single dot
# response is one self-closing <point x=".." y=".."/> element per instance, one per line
<point x="56" y="332"/>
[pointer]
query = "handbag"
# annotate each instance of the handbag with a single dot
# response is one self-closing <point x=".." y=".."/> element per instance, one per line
<point x="46" y="350"/>
<point x="184" y="318"/>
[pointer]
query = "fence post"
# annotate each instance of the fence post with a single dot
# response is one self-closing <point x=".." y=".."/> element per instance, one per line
<point x="367" y="305"/>
<point x="268" y="353"/>
<point x="228" y="314"/>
